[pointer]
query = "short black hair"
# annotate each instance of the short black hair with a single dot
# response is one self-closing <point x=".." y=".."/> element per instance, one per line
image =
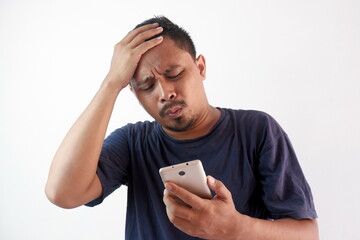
<point x="181" y="37"/>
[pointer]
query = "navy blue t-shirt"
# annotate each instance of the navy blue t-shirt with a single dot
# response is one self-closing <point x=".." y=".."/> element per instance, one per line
<point x="247" y="150"/>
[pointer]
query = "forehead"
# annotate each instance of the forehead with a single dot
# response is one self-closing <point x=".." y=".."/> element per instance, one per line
<point x="163" y="58"/>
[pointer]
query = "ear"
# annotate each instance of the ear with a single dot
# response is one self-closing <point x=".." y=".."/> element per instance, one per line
<point x="131" y="86"/>
<point x="201" y="65"/>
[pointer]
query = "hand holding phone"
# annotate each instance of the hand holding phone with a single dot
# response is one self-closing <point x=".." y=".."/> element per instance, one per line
<point x="188" y="175"/>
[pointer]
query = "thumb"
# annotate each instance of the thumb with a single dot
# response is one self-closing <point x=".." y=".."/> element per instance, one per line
<point x="219" y="188"/>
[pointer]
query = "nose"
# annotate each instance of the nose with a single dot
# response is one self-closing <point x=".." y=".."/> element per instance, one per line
<point x="167" y="91"/>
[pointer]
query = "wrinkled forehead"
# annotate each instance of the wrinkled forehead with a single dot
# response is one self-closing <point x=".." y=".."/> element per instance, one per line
<point x="161" y="59"/>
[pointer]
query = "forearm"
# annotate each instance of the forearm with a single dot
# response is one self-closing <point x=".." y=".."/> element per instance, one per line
<point x="284" y="229"/>
<point x="73" y="168"/>
<point x="72" y="179"/>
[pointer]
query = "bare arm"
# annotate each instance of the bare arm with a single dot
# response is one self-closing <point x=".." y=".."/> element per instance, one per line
<point x="218" y="219"/>
<point x="72" y="179"/>
<point x="284" y="229"/>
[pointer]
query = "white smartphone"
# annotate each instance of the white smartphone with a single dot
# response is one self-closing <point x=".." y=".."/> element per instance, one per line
<point x="188" y="175"/>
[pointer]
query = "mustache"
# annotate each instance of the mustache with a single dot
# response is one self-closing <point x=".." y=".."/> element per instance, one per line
<point x="170" y="105"/>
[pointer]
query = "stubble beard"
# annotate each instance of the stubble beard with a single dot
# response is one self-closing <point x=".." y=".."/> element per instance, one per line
<point x="179" y="124"/>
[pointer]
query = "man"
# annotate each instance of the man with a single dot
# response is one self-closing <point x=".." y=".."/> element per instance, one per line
<point x="260" y="191"/>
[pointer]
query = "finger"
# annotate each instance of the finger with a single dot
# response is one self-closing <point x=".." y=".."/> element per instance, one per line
<point x="186" y="196"/>
<point x="133" y="33"/>
<point x="146" y="46"/>
<point x="169" y="199"/>
<point x="219" y="188"/>
<point x="144" y="36"/>
<point x="176" y="207"/>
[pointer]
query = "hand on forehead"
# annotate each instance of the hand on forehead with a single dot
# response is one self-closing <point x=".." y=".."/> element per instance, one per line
<point x="166" y="59"/>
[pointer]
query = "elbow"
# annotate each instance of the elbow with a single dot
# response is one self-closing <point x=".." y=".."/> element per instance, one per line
<point x="58" y="198"/>
<point x="309" y="230"/>
<point x="314" y="229"/>
<point x="306" y="229"/>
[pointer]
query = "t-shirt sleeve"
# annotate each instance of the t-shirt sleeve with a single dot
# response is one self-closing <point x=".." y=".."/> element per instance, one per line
<point x="113" y="163"/>
<point x="286" y="192"/>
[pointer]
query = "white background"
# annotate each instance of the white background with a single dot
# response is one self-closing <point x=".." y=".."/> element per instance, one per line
<point x="297" y="60"/>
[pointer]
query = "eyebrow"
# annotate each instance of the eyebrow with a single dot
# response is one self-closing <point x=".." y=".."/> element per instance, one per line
<point x="170" y="69"/>
<point x="150" y="78"/>
<point x="145" y="80"/>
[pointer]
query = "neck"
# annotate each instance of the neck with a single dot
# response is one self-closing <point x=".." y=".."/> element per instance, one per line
<point x="202" y="126"/>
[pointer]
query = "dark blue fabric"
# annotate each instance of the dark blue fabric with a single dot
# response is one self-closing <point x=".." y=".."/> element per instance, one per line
<point x="247" y="150"/>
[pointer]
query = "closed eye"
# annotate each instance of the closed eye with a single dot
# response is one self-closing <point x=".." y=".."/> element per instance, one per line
<point x="175" y="76"/>
<point x="146" y="84"/>
<point x="147" y="88"/>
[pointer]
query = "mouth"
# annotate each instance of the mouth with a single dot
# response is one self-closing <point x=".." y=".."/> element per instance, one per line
<point x="174" y="112"/>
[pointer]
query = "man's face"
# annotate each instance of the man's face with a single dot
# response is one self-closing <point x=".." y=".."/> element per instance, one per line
<point x="168" y="84"/>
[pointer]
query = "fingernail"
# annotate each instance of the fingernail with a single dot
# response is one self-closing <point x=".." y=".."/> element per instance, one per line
<point x="211" y="180"/>
<point x="168" y="187"/>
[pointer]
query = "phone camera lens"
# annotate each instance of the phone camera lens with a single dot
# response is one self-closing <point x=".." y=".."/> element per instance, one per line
<point x="181" y="173"/>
